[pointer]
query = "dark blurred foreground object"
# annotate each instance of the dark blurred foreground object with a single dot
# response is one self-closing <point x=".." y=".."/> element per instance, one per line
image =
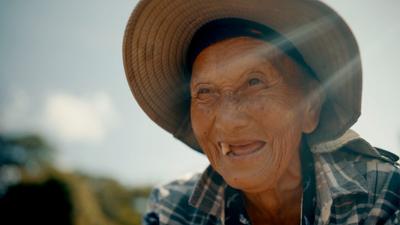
<point x="33" y="191"/>
<point x="47" y="203"/>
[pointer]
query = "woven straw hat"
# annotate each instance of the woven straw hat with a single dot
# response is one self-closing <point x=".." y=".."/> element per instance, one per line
<point x="159" y="33"/>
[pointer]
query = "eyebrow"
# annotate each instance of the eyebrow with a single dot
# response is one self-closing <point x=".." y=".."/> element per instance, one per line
<point x="241" y="78"/>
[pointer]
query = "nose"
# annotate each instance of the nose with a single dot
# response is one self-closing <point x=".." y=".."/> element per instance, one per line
<point x="231" y="115"/>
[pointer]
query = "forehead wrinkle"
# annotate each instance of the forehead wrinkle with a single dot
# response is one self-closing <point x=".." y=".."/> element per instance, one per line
<point x="206" y="64"/>
<point x="219" y="57"/>
<point x="255" y="49"/>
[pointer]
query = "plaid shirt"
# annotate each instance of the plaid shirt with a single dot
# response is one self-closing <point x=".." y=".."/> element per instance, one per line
<point x="355" y="184"/>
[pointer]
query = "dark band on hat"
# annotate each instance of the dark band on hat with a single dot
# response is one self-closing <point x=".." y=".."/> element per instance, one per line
<point x="227" y="28"/>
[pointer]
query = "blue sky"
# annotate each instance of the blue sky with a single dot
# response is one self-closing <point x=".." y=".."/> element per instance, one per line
<point x="61" y="75"/>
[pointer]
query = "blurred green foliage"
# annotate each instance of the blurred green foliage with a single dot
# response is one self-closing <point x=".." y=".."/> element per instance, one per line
<point x="33" y="187"/>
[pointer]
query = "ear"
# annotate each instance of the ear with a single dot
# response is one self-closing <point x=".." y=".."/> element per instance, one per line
<point x="313" y="110"/>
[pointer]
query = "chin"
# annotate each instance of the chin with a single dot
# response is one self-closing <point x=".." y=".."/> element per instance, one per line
<point x="249" y="183"/>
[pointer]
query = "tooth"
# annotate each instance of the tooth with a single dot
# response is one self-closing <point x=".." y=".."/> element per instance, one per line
<point x="225" y="148"/>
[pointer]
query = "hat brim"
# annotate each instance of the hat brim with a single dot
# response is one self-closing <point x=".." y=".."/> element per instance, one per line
<point x="159" y="33"/>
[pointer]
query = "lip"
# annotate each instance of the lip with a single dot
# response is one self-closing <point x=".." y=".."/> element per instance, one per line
<point x="241" y="149"/>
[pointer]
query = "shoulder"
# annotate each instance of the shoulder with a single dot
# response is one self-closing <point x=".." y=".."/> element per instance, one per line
<point x="169" y="203"/>
<point x="383" y="163"/>
<point x="369" y="183"/>
<point x="175" y="193"/>
<point x="353" y="157"/>
<point x="372" y="172"/>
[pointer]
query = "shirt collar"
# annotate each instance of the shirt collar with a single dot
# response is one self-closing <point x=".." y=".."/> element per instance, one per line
<point x="341" y="176"/>
<point x="349" y="139"/>
<point x="208" y="194"/>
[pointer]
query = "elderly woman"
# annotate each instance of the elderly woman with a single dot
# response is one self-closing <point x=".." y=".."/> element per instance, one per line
<point x="267" y="90"/>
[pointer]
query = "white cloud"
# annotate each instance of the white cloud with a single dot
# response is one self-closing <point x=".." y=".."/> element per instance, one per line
<point x="75" y="118"/>
<point x="66" y="117"/>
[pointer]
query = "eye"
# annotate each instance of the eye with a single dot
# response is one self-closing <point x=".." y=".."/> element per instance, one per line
<point x="254" y="81"/>
<point x="203" y="91"/>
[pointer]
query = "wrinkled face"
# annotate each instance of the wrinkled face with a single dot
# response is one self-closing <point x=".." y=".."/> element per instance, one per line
<point x="249" y="110"/>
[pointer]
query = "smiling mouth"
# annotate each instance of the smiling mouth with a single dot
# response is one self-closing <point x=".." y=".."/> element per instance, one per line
<point x="242" y="149"/>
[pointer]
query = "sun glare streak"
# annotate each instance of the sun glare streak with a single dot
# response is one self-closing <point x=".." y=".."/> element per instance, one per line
<point x="300" y="36"/>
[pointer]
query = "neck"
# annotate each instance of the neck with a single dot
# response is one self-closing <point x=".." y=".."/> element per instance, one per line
<point x="280" y="204"/>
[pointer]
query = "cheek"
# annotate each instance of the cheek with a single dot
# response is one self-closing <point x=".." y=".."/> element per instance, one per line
<point x="272" y="114"/>
<point x="281" y="125"/>
<point x="202" y="120"/>
<point x="275" y="111"/>
<point x="284" y="147"/>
